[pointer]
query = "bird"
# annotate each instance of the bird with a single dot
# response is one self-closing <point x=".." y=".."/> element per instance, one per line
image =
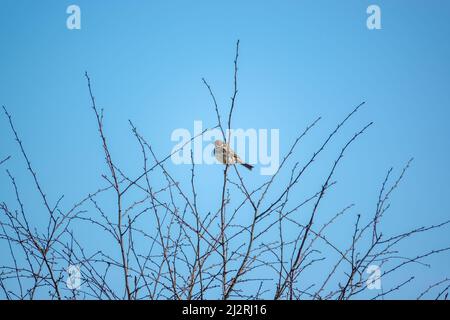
<point x="224" y="154"/>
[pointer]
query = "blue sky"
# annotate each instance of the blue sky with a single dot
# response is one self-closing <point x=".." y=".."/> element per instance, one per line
<point x="298" y="60"/>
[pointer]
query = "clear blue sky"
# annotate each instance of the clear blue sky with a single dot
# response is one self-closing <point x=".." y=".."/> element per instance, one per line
<point x="299" y="60"/>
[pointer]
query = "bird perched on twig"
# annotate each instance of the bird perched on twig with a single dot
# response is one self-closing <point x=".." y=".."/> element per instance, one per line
<point x="224" y="154"/>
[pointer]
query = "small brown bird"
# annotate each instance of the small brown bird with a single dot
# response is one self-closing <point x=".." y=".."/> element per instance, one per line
<point x="224" y="154"/>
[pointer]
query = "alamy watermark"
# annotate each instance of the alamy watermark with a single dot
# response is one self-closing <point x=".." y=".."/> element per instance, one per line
<point x="74" y="19"/>
<point x="373" y="282"/>
<point x="73" y="280"/>
<point x="254" y="146"/>
<point x="373" y="21"/>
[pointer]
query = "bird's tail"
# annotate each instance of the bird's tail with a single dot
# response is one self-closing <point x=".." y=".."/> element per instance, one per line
<point x="248" y="166"/>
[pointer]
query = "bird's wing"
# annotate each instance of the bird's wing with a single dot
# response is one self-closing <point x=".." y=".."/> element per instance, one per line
<point x="229" y="156"/>
<point x="234" y="156"/>
<point x="220" y="154"/>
